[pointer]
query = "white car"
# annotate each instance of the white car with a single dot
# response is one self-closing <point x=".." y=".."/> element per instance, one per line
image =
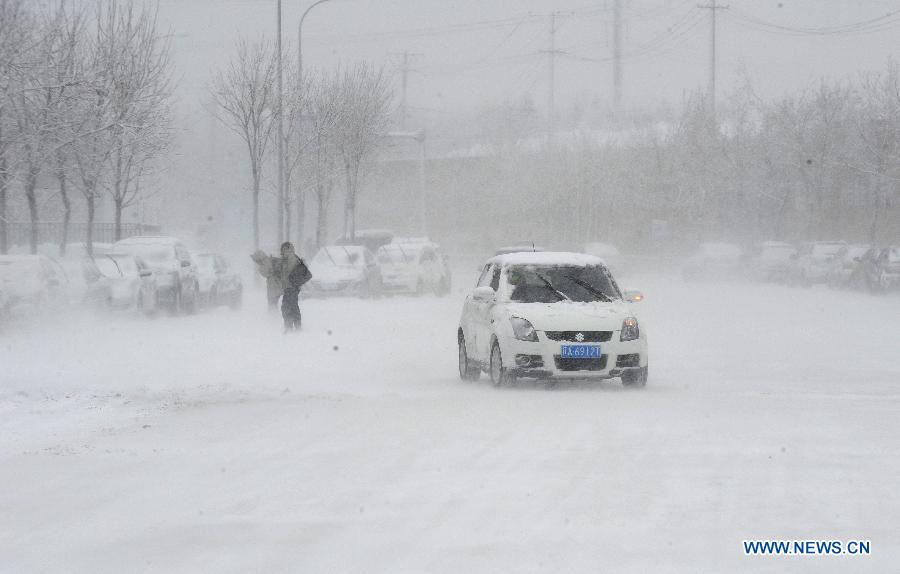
<point x="814" y="260"/>
<point x="413" y="268"/>
<point x="550" y="315"/>
<point x="339" y="270"/>
<point x="132" y="282"/>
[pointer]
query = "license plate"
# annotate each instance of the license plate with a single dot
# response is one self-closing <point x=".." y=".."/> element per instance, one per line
<point x="580" y="352"/>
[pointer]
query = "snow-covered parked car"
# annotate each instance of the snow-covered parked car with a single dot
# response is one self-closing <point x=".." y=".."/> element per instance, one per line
<point x="219" y="283"/>
<point x="413" y="267"/>
<point x="878" y="269"/>
<point x="31" y="282"/>
<point x="340" y="270"/>
<point x="713" y="261"/>
<point x="371" y="239"/>
<point x="550" y="315"/>
<point x="132" y="281"/>
<point x="771" y="261"/>
<point x="814" y="260"/>
<point x="842" y="265"/>
<point x="171" y="263"/>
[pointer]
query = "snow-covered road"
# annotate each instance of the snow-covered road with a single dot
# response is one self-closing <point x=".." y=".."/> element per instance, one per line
<point x="215" y="443"/>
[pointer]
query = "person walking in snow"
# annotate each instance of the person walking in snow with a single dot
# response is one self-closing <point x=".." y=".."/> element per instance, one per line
<point x="293" y="273"/>
<point x="270" y="268"/>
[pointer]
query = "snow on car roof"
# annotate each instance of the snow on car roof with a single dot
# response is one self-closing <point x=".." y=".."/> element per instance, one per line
<point x="546" y="258"/>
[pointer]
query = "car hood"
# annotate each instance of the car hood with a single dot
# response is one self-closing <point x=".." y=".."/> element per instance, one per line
<point x="568" y="316"/>
<point x="336" y="273"/>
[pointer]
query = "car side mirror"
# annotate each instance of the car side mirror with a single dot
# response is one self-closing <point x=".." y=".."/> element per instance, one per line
<point x="185" y="263"/>
<point x="633" y="296"/>
<point x="483" y="293"/>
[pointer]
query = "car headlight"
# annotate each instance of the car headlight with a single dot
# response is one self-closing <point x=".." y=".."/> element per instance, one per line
<point x="630" y="329"/>
<point x="523" y="329"/>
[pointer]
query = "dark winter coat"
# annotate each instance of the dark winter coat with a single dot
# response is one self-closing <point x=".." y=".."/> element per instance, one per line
<point x="294" y="272"/>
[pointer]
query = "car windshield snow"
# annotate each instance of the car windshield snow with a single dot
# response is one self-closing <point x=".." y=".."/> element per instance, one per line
<point x="12" y="270"/>
<point x="554" y="283"/>
<point x="397" y="254"/>
<point x="338" y="255"/>
<point x="151" y="253"/>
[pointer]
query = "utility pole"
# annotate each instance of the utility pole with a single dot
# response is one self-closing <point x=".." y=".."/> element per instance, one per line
<point x="551" y="83"/>
<point x="405" y="69"/>
<point x="617" y="56"/>
<point x="713" y="8"/>
<point x="280" y="150"/>
<point x="301" y="194"/>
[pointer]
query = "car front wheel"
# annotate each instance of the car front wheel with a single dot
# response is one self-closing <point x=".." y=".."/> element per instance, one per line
<point x="635" y="377"/>
<point x="468" y="371"/>
<point x="499" y="374"/>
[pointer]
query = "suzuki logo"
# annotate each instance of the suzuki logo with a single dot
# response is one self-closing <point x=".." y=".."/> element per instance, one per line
<point x="579" y="337"/>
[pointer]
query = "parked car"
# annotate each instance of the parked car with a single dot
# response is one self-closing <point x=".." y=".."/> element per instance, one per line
<point x="813" y="262"/>
<point x="219" y="283"/>
<point x="770" y="261"/>
<point x="550" y="315"/>
<point x="84" y="284"/>
<point x="414" y="268"/>
<point x="31" y="282"/>
<point x="842" y="265"/>
<point x="344" y="270"/>
<point x="175" y="272"/>
<point x="371" y="239"/>
<point x="878" y="269"/>
<point x="133" y="282"/>
<point x="713" y="261"/>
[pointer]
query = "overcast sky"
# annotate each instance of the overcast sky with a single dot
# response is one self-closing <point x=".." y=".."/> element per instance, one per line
<point x="472" y="51"/>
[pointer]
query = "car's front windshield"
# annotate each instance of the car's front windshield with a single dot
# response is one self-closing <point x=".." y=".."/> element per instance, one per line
<point x="11" y="270"/>
<point x="108" y="267"/>
<point x="152" y="254"/>
<point x="397" y="253"/>
<point x="338" y="255"/>
<point x="554" y="283"/>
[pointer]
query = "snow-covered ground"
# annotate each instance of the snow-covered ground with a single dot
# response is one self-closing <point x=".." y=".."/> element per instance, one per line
<point x="214" y="443"/>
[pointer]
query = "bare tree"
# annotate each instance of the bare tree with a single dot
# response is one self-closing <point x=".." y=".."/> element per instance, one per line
<point x="244" y="94"/>
<point x="321" y="123"/>
<point x="139" y="103"/>
<point x="364" y="101"/>
<point x="17" y="24"/>
<point x="878" y="129"/>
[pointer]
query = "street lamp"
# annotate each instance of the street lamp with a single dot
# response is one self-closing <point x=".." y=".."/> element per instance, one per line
<point x="300" y="40"/>
<point x="301" y="207"/>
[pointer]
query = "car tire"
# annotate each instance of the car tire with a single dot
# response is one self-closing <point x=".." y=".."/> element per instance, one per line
<point x="499" y="374"/>
<point x="191" y="308"/>
<point x="635" y="378"/>
<point x="237" y="299"/>
<point x="177" y="302"/>
<point x="468" y="371"/>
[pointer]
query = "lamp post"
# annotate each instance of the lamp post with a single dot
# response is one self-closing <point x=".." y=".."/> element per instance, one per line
<point x="301" y="197"/>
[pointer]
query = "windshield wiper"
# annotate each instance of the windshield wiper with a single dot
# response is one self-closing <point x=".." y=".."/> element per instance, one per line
<point x="328" y="253"/>
<point x="550" y="286"/>
<point x="600" y="294"/>
<point x="405" y="256"/>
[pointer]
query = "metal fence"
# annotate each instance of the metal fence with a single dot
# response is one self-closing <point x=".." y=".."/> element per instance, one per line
<point x="19" y="232"/>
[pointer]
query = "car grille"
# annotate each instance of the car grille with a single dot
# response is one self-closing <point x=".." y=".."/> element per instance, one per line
<point x="589" y="336"/>
<point x="630" y="360"/>
<point x="580" y="364"/>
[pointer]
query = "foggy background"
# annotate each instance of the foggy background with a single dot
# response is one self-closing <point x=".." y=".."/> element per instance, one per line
<point x="470" y="59"/>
